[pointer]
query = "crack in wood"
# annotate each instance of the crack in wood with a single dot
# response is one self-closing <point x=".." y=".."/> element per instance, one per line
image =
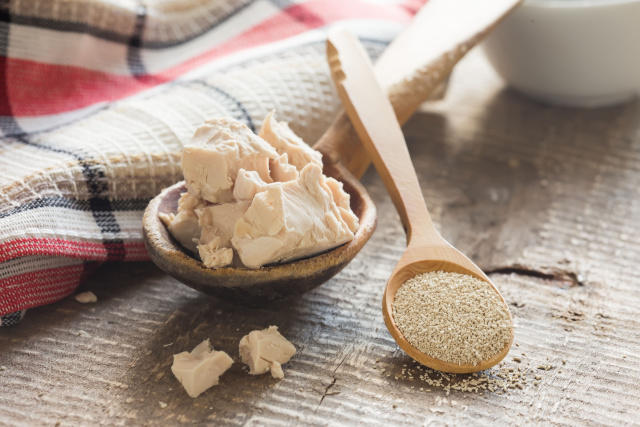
<point x="326" y="392"/>
<point x="328" y="387"/>
<point x="567" y="278"/>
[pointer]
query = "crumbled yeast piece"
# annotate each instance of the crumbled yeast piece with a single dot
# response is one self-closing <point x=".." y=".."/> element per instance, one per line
<point x="201" y="368"/>
<point x="86" y="297"/>
<point x="218" y="149"/>
<point x="183" y="225"/>
<point x="248" y="184"/>
<point x="266" y="350"/>
<point x="217" y="223"/>
<point x="276" y="370"/>
<point x="294" y="219"/>
<point x="213" y="255"/>
<point x="281" y="170"/>
<point x="342" y="200"/>
<point x="285" y="141"/>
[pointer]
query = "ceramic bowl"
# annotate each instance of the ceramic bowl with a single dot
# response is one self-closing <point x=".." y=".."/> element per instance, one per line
<point x="581" y="53"/>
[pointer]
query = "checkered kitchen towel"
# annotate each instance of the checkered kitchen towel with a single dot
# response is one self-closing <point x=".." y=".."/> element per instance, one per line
<point x="97" y="98"/>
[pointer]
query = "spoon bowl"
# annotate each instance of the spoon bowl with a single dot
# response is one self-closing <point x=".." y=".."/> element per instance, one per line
<point x="425" y="260"/>
<point x="256" y="287"/>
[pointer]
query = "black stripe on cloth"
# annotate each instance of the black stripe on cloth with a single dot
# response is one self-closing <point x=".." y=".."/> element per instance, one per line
<point x="84" y="28"/>
<point x="5" y="20"/>
<point x="22" y="138"/>
<point x="102" y="209"/>
<point x="300" y="14"/>
<point x="134" y="57"/>
<point x="8" y="124"/>
<point x="99" y="203"/>
<point x="234" y="106"/>
<point x="127" y="205"/>
<point x="158" y="45"/>
<point x="12" y="319"/>
<point x="282" y="4"/>
<point x="68" y="27"/>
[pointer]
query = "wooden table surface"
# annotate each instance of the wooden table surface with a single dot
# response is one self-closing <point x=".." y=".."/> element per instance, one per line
<point x="545" y="199"/>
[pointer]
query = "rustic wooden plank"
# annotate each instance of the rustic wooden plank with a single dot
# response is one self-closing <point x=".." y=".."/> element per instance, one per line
<point x="545" y="198"/>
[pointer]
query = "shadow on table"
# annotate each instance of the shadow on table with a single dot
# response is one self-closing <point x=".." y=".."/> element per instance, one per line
<point x="491" y="170"/>
<point x="188" y="318"/>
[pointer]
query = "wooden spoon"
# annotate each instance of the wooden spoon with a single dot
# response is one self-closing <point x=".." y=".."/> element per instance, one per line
<point x="376" y="124"/>
<point x="416" y="63"/>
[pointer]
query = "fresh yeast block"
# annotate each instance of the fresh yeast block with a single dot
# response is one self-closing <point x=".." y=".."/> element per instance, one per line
<point x="294" y="219"/>
<point x="218" y="150"/>
<point x="266" y="350"/>
<point x="201" y="368"/>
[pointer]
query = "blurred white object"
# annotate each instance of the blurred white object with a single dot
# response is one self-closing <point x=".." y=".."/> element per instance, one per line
<point x="86" y="297"/>
<point x="581" y="53"/>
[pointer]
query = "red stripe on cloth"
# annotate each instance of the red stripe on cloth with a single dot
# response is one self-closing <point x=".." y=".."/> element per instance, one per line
<point x="412" y="6"/>
<point x="5" y="107"/>
<point x="35" y="88"/>
<point x="40" y="89"/>
<point x="38" y="287"/>
<point x="316" y="13"/>
<point x="91" y="251"/>
<point x="136" y="252"/>
<point x="295" y="20"/>
<point x="54" y="247"/>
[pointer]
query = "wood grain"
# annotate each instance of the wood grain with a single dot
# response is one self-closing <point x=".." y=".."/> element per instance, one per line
<point x="546" y="198"/>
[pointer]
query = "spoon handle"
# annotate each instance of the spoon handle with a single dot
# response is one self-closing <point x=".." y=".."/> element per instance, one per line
<point x="424" y="54"/>
<point x="375" y="122"/>
<point x="416" y="64"/>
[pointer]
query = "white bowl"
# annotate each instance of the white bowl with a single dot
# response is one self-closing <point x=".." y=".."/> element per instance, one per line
<point x="583" y="53"/>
